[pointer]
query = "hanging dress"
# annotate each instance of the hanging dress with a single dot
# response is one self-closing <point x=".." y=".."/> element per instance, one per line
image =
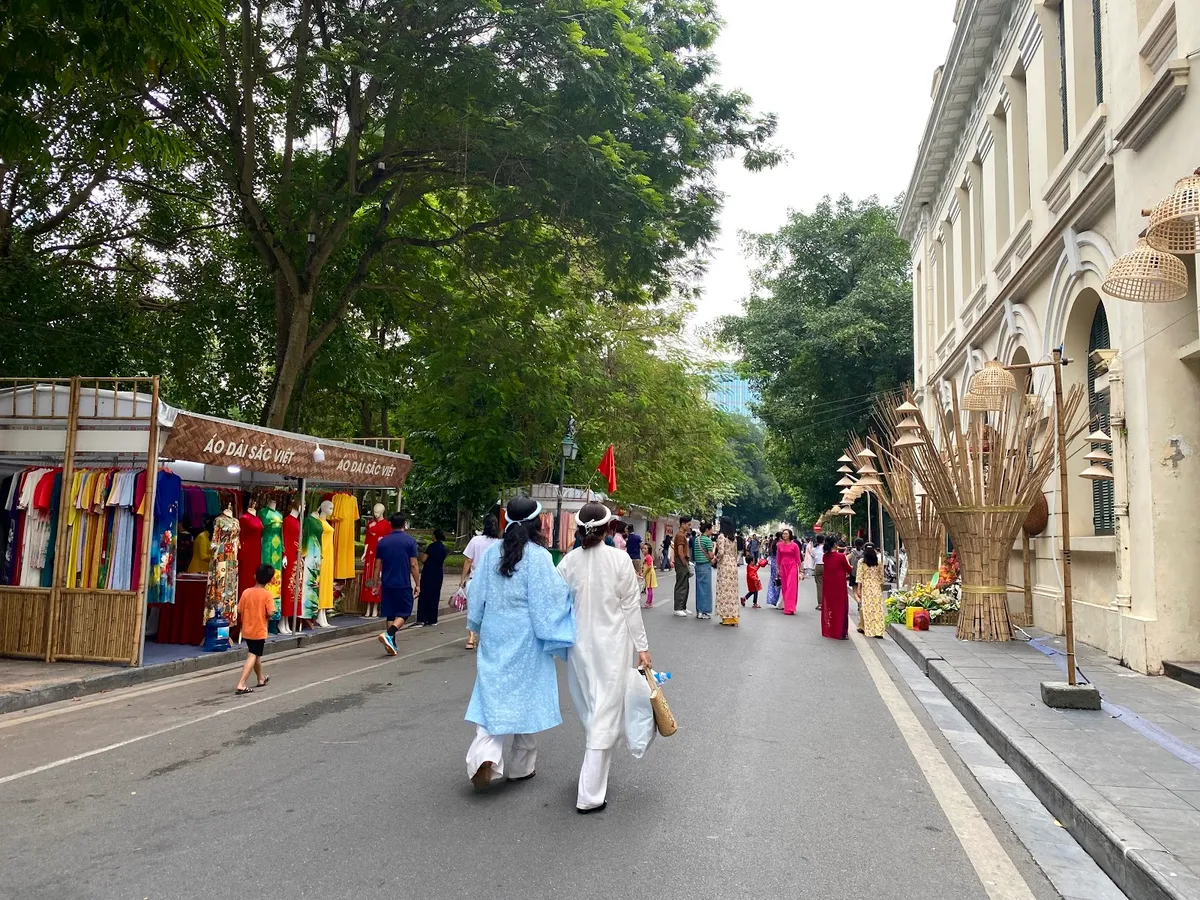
<point x="168" y="497"/>
<point x="325" y="590"/>
<point x="272" y="551"/>
<point x="370" y="580"/>
<point x="345" y="514"/>
<point x="249" y="550"/>
<point x="292" y="588"/>
<point x="222" y="590"/>
<point x="314" y="531"/>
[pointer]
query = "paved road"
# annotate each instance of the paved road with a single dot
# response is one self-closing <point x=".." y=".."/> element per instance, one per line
<point x="345" y="778"/>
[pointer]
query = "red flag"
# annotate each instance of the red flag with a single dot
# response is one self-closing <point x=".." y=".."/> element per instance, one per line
<point x="608" y="468"/>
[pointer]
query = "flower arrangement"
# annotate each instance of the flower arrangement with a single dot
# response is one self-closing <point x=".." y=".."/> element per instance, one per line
<point x="936" y="601"/>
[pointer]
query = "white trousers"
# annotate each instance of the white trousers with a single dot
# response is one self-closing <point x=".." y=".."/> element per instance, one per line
<point x="522" y="758"/>
<point x="593" y="778"/>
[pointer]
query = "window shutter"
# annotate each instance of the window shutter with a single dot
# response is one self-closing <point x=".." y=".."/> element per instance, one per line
<point x="1103" y="507"/>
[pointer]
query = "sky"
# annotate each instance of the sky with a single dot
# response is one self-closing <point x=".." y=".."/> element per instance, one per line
<point x="850" y="83"/>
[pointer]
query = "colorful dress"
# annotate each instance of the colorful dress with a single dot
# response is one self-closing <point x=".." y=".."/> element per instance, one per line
<point x="314" y="531"/>
<point x="293" y="568"/>
<point x="272" y="550"/>
<point x="222" y="590"/>
<point x="370" y="579"/>
<point x="328" y="552"/>
<point x="773" y="584"/>
<point x="345" y="514"/>
<point x="728" y="602"/>
<point x="168" y="496"/>
<point x="788" y="555"/>
<point x="834" y="600"/>
<point x="872" y="607"/>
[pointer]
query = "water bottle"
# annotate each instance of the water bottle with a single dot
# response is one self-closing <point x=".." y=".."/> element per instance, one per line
<point x="661" y="678"/>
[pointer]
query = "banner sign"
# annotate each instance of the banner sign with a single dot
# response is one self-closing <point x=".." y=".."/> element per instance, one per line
<point x="221" y="443"/>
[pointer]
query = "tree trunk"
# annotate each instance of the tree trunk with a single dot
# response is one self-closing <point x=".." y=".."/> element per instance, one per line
<point x="289" y="362"/>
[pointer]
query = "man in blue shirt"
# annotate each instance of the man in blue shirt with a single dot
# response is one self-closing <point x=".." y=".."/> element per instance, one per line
<point x="396" y="555"/>
<point x="633" y="546"/>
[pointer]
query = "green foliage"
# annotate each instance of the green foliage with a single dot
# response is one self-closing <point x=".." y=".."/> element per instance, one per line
<point x="827" y="329"/>
<point x="757" y="498"/>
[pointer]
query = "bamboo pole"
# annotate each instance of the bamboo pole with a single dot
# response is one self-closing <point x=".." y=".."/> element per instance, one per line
<point x="148" y="518"/>
<point x="58" y="575"/>
<point x="1025" y="561"/>
<point x="1065" y="513"/>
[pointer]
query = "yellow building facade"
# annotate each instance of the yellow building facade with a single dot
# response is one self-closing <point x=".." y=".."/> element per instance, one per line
<point x="1054" y="124"/>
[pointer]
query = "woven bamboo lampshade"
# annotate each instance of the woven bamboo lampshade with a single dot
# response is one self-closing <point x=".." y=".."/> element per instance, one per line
<point x="1175" y="222"/>
<point x="1096" y="473"/>
<point x="1099" y="455"/>
<point x="843" y="511"/>
<point x="1098" y="437"/>
<point x="1147" y="275"/>
<point x="867" y="453"/>
<point x="846" y="481"/>
<point x="993" y="380"/>
<point x="870" y="480"/>
<point x="908" y="423"/>
<point x="846" y="470"/>
<point x="908" y="439"/>
<point x="844" y="458"/>
<point x="907" y="408"/>
<point x="982" y="403"/>
<point x="867" y="468"/>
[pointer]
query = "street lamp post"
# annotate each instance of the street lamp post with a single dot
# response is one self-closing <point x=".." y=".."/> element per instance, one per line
<point x="570" y="450"/>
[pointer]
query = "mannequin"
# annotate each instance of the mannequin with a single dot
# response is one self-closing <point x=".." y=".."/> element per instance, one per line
<point x="328" y="564"/>
<point x="318" y="565"/>
<point x="378" y="527"/>
<point x="250" y="547"/>
<point x="222" y="590"/>
<point x="272" y="550"/>
<point x="290" y="589"/>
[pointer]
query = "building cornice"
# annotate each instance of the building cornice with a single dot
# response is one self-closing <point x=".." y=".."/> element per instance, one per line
<point x="972" y="51"/>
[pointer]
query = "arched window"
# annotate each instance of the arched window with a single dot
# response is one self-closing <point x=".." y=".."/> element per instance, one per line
<point x="1103" y="517"/>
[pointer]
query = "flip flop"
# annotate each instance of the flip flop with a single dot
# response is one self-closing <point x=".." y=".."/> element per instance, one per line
<point x="264" y="682"/>
<point x="241" y="691"/>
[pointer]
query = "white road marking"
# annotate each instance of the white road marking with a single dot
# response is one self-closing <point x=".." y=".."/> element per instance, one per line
<point x="64" y="707"/>
<point x="992" y="864"/>
<point x="215" y="713"/>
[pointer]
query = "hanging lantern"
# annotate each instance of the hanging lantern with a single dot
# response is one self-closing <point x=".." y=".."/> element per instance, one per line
<point x="909" y="423"/>
<point x="1098" y="437"/>
<point x="907" y="408"/>
<point x="973" y="402"/>
<point x="1147" y="275"/>
<point x="1099" y="455"/>
<point x="846" y="470"/>
<point x="993" y="380"/>
<point x="845" y="459"/>
<point x="867" y="468"/>
<point x="1175" y="222"/>
<point x="909" y="439"/>
<point x="1096" y="473"/>
<point x="867" y="453"/>
<point x="870" y="480"/>
<point x="846" y="481"/>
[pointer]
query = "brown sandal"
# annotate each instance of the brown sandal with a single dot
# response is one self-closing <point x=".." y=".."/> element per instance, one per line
<point x="482" y="779"/>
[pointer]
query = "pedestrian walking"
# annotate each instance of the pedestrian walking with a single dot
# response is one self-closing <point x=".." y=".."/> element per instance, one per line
<point x="633" y="546"/>
<point x="753" y="581"/>
<point x="255" y="606"/>
<point x="835" y="600"/>
<point x="476" y="547"/>
<point x="433" y="562"/>
<point x="773" y="581"/>
<point x="872" y="609"/>
<point x="725" y="558"/>
<point x="399" y="580"/>
<point x="853" y="558"/>
<point x="618" y="535"/>
<point x="683" y="566"/>
<point x="819" y="568"/>
<point x="521" y="609"/>
<point x="666" y="550"/>
<point x="609" y="630"/>
<point x="788" y="553"/>
<point x="649" y="577"/>
<point x="754" y="546"/>
<point x="807" y="563"/>
<point x="703" y="561"/>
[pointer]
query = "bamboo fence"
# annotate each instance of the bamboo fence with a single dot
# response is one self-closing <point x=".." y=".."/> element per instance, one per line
<point x="984" y="479"/>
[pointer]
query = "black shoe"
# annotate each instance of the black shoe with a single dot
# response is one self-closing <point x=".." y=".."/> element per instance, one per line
<point x="594" y="809"/>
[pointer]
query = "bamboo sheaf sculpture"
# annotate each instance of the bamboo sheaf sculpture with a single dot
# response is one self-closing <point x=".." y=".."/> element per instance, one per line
<point x="913" y="513"/>
<point x="984" y="479"/>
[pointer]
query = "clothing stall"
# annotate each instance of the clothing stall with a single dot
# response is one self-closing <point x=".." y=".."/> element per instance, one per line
<point x="119" y="508"/>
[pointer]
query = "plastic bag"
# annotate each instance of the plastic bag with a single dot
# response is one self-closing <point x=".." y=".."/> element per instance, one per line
<point x="459" y="601"/>
<point x="639" y="716"/>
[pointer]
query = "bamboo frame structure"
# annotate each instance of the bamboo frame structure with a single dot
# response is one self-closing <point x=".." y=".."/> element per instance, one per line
<point x="913" y="514"/>
<point x="984" y="479"/>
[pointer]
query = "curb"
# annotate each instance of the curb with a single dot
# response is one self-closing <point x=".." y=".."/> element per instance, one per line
<point x="1135" y="861"/>
<point x="121" y="678"/>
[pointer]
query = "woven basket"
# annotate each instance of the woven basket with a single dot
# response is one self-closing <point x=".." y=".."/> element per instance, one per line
<point x="1038" y="518"/>
<point x="1147" y="275"/>
<point x="950" y="617"/>
<point x="1173" y="222"/>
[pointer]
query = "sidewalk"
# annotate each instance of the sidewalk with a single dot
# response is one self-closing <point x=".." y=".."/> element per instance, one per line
<point x="1125" y="781"/>
<point x="28" y="683"/>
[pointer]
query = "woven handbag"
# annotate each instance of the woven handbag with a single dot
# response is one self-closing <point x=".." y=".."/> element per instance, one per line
<point x="663" y="720"/>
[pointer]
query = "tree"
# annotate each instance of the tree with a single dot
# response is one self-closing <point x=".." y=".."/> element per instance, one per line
<point x="336" y="138"/>
<point x="827" y="328"/>
<point x="757" y="498"/>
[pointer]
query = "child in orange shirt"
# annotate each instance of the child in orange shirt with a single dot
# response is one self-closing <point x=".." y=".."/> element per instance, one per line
<point x="254" y="608"/>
